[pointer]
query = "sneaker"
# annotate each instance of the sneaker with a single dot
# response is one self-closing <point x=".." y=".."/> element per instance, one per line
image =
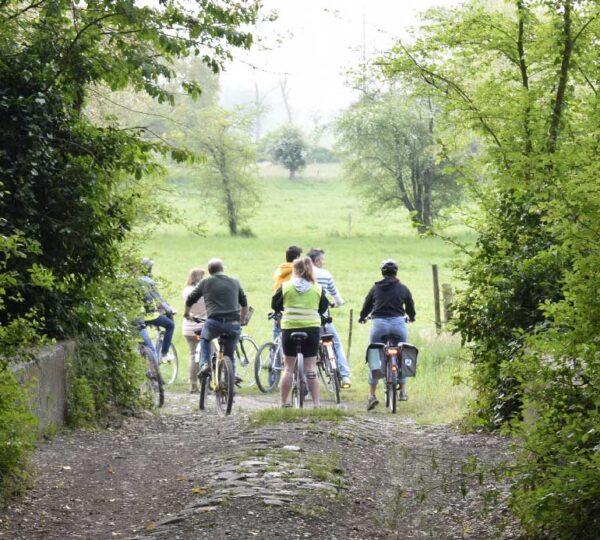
<point x="346" y="382"/>
<point x="372" y="403"/>
<point x="204" y="370"/>
<point x="402" y="395"/>
<point x="169" y="357"/>
<point x="286" y="405"/>
<point x="194" y="389"/>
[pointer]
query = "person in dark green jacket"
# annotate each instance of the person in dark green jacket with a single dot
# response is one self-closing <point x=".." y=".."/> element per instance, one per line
<point x="302" y="301"/>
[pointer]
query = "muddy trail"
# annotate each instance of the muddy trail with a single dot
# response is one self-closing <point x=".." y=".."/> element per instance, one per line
<point x="184" y="474"/>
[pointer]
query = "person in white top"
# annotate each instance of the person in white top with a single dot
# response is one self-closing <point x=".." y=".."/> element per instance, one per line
<point x="189" y="327"/>
<point x="325" y="279"/>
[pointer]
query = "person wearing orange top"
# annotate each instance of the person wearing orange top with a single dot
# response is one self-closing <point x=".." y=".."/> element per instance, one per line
<point x="282" y="274"/>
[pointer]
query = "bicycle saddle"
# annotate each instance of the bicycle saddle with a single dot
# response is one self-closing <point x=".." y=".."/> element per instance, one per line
<point x="298" y="336"/>
<point x="393" y="339"/>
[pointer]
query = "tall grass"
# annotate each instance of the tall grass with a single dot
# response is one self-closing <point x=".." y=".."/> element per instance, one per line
<point x="321" y="211"/>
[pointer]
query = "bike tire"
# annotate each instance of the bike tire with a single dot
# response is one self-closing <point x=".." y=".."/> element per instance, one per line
<point x="266" y="373"/>
<point x="336" y="386"/>
<point x="298" y="389"/>
<point x="225" y="386"/>
<point x="168" y="370"/>
<point x="204" y="382"/>
<point x="394" y="394"/>
<point x="245" y="356"/>
<point x="329" y="375"/>
<point x="152" y="386"/>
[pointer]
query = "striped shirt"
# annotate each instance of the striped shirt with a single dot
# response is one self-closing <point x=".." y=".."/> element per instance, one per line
<point x="325" y="279"/>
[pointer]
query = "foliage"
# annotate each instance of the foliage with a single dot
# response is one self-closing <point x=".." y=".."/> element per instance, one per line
<point x="320" y="154"/>
<point x="526" y="79"/>
<point x="227" y="171"/>
<point x="387" y="142"/>
<point x="17" y="434"/>
<point x="288" y="147"/>
<point x="69" y="188"/>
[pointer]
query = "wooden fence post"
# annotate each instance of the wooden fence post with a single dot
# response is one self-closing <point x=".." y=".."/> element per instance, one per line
<point x="436" y="299"/>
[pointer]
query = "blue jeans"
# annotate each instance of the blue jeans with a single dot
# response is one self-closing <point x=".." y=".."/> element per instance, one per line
<point x="169" y="325"/>
<point x="145" y="335"/>
<point x="212" y="329"/>
<point x="339" y="351"/>
<point x="382" y="327"/>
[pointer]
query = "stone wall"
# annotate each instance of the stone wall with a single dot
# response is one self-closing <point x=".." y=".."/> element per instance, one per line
<point x="46" y="378"/>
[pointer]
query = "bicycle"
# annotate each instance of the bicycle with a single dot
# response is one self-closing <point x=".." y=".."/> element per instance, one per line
<point x="153" y="386"/>
<point x="245" y="353"/>
<point x="327" y="366"/>
<point x="395" y="359"/>
<point x="299" y="389"/>
<point x="168" y="369"/>
<point x="219" y="380"/>
<point x="268" y="363"/>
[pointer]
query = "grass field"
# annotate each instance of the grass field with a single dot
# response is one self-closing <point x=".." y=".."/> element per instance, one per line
<point x="320" y="210"/>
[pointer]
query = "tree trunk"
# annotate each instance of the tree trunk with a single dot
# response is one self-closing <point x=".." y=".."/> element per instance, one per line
<point x="559" y="101"/>
<point x="292" y="174"/>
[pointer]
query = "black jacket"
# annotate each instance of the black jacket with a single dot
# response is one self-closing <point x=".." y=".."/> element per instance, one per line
<point x="388" y="298"/>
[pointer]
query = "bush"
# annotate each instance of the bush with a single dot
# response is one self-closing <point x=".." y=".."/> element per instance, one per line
<point x="17" y="434"/>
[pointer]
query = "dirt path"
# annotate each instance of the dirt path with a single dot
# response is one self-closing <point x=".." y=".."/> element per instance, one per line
<point x="182" y="474"/>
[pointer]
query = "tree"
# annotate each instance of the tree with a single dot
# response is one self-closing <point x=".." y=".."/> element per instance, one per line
<point x="287" y="147"/>
<point x="387" y="144"/>
<point x="69" y="187"/>
<point x="227" y="170"/>
<point x="526" y="79"/>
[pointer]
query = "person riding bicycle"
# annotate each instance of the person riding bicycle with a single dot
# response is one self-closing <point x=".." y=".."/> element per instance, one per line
<point x="189" y="328"/>
<point x="325" y="279"/>
<point x="226" y="305"/>
<point x="302" y="302"/>
<point x="157" y="311"/>
<point x="283" y="273"/>
<point x="387" y="303"/>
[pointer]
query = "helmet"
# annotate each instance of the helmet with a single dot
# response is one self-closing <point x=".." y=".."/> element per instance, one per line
<point x="147" y="263"/>
<point x="388" y="266"/>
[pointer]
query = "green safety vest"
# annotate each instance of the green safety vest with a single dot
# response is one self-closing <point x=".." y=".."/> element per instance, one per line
<point x="300" y="310"/>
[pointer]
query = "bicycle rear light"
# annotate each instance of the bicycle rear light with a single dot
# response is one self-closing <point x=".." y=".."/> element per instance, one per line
<point x="327" y="341"/>
<point x="392" y="351"/>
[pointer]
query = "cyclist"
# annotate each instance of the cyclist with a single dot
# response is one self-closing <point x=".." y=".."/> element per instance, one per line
<point x="325" y="279"/>
<point x="226" y="305"/>
<point x="188" y="327"/>
<point x="157" y="311"/>
<point x="387" y="302"/>
<point x="302" y="302"/>
<point x="281" y="274"/>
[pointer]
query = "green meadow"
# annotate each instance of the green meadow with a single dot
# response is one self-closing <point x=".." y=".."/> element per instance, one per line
<point x="319" y="209"/>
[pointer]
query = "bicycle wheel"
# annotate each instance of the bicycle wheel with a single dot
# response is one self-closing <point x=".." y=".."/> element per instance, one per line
<point x="204" y="383"/>
<point x="390" y="396"/>
<point x="245" y="354"/>
<point x="152" y="387"/>
<point x="224" y="389"/>
<point x="266" y="367"/>
<point x="328" y="374"/>
<point x="298" y="388"/>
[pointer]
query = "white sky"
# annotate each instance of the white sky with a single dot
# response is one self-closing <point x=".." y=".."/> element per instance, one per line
<point x="315" y="42"/>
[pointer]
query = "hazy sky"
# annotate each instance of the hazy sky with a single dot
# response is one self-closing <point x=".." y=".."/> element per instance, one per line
<point x="314" y="42"/>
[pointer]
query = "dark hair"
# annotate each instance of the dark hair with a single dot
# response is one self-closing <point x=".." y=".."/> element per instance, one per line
<point x="315" y="254"/>
<point x="292" y="253"/>
<point x="214" y="266"/>
<point x="303" y="268"/>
